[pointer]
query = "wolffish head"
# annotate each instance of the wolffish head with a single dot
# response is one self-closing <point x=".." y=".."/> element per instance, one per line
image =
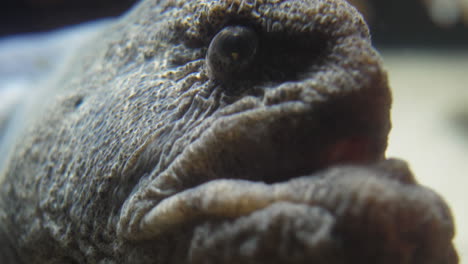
<point x="182" y="129"/>
<point x="259" y="90"/>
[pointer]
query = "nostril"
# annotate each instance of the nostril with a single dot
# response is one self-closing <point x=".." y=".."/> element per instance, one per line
<point x="78" y="102"/>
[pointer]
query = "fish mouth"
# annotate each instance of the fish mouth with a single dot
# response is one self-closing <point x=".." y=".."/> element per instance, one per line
<point x="268" y="143"/>
<point x="254" y="148"/>
<point x="370" y="214"/>
<point x="245" y="191"/>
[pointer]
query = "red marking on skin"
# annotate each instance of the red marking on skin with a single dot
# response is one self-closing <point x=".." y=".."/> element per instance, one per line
<point x="350" y="150"/>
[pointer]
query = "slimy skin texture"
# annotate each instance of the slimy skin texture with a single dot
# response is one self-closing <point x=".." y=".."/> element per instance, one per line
<point x="141" y="152"/>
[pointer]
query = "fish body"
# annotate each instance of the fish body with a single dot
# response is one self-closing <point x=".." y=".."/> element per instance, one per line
<point x="218" y="132"/>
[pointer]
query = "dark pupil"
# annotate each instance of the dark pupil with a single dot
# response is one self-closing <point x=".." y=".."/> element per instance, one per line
<point x="237" y="42"/>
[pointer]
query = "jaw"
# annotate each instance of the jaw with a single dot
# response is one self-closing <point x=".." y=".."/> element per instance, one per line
<point x="335" y="216"/>
<point x="345" y="214"/>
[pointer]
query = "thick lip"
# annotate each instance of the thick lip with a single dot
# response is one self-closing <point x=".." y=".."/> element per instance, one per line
<point x="368" y="214"/>
<point x="353" y="196"/>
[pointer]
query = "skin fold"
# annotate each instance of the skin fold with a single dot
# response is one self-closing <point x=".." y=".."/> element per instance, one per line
<point x="218" y="132"/>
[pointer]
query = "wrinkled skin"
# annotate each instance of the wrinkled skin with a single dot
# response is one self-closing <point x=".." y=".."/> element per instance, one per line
<point x="141" y="152"/>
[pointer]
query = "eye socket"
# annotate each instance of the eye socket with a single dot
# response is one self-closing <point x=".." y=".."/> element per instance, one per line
<point x="231" y="52"/>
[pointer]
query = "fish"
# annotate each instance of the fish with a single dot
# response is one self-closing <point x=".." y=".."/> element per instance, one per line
<point x="229" y="131"/>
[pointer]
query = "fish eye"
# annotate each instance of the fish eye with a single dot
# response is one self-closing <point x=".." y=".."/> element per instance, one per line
<point x="231" y="52"/>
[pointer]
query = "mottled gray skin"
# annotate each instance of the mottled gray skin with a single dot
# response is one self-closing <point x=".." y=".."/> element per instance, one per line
<point x="135" y="154"/>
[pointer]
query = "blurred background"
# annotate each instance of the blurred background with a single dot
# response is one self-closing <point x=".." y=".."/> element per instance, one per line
<point x="424" y="44"/>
